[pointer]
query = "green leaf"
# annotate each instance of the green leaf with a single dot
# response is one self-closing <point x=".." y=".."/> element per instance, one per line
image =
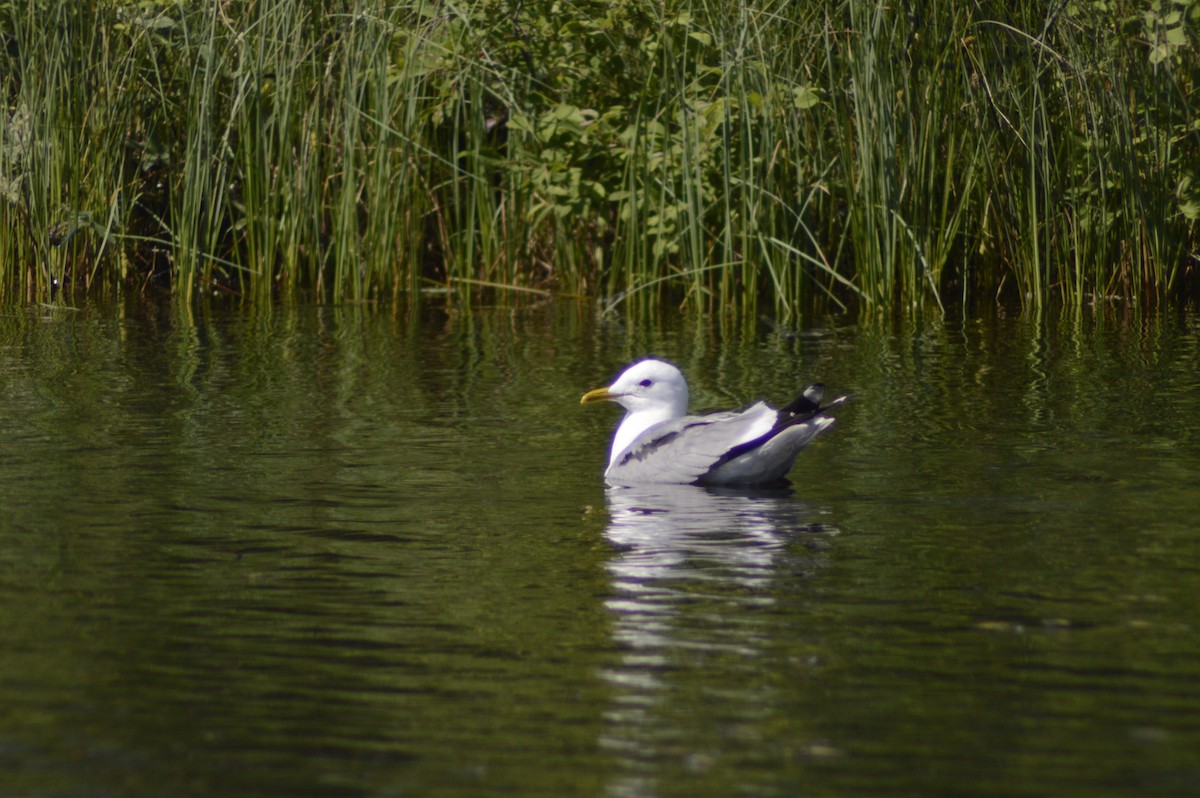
<point x="565" y="112"/>
<point x="804" y="98"/>
<point x="519" y="121"/>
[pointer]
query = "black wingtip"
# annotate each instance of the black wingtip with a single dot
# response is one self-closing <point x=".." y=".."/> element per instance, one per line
<point x="808" y="404"/>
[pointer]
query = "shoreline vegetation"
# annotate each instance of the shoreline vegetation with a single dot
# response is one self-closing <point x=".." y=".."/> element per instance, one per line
<point x="773" y="156"/>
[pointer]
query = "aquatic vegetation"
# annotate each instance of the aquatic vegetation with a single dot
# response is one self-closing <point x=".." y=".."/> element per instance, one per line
<point x="773" y="155"/>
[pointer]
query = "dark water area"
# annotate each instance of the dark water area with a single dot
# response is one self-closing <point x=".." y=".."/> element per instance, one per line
<point x="354" y="551"/>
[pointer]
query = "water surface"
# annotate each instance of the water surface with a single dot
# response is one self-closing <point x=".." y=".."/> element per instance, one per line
<point x="367" y="552"/>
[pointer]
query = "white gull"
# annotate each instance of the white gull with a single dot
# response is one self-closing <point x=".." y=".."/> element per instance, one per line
<point x="658" y="441"/>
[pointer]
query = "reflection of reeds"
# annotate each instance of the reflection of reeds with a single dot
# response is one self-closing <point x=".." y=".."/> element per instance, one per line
<point x="796" y="154"/>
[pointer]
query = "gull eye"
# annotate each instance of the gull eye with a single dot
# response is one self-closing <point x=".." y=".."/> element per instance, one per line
<point x="646" y="383"/>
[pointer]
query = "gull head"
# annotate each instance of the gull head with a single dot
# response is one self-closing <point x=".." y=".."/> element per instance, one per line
<point x="651" y="392"/>
<point x="648" y="386"/>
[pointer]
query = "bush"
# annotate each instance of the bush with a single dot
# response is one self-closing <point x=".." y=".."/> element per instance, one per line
<point x="794" y="154"/>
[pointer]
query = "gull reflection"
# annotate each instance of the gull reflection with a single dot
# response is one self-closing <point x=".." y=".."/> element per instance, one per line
<point x="695" y="578"/>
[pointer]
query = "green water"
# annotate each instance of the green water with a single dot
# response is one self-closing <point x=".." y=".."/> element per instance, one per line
<point x="368" y="552"/>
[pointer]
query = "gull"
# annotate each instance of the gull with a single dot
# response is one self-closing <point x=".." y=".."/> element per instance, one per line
<point x="658" y="441"/>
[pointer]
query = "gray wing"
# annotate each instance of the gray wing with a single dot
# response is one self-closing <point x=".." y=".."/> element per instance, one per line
<point x="684" y="449"/>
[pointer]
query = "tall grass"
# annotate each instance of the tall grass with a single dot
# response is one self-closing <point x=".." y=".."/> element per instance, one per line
<point x="768" y="156"/>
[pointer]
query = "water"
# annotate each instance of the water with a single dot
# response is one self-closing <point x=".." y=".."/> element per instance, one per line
<point x="367" y="552"/>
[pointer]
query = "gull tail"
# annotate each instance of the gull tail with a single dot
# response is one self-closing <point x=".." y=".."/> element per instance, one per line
<point x="767" y="458"/>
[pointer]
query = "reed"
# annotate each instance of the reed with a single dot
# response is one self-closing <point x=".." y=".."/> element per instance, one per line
<point x="765" y="157"/>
